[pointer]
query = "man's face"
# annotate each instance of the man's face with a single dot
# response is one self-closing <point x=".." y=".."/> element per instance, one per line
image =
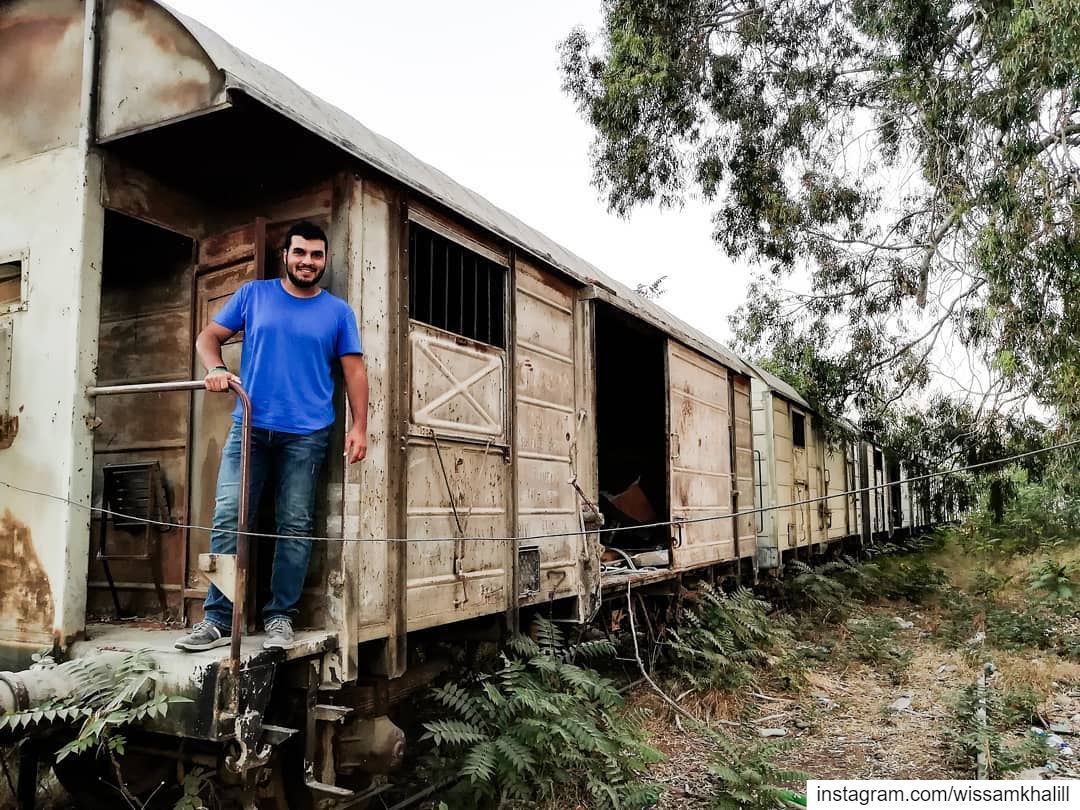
<point x="305" y="261"/>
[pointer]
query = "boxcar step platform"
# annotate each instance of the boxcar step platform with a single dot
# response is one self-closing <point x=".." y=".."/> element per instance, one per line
<point x="276" y="735"/>
<point x="329" y="713"/>
<point x="329" y="790"/>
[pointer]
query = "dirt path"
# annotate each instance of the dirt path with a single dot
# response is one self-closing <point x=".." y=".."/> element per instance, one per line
<point x="849" y="721"/>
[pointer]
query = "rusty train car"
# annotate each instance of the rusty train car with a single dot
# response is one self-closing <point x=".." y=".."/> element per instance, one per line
<point x="520" y="399"/>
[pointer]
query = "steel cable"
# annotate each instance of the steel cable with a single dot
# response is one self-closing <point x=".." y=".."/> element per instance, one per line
<point x="164" y="524"/>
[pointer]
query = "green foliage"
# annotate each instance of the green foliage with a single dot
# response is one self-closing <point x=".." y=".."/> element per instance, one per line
<point x="873" y="641"/>
<point x="115" y="700"/>
<point x="542" y="727"/>
<point x="915" y="579"/>
<point x="747" y="778"/>
<point x="970" y="736"/>
<point x="1052" y="581"/>
<point x="816" y="591"/>
<point x="916" y="156"/>
<point x="194" y="784"/>
<point x="1008" y="629"/>
<point x="722" y="638"/>
<point x="105" y="699"/>
<point x="1039" y="517"/>
<point x="987" y="583"/>
<point x="1038" y="626"/>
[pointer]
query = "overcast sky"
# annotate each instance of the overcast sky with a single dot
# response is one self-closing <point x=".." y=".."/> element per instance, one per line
<point x="474" y="89"/>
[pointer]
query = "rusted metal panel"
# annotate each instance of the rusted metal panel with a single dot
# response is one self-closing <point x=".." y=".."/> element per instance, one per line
<point x="802" y="486"/>
<point x="764" y="475"/>
<point x="785" y="473"/>
<point x="585" y="456"/>
<point x="41" y="57"/>
<point x="366" y="508"/>
<point x="152" y="70"/>
<point x="839" y="520"/>
<point x="815" y="462"/>
<point x="746" y="526"/>
<point x="700" y="466"/>
<point x="458" y="386"/>
<point x="546" y="429"/>
<point x="456" y="490"/>
<point x="51" y="215"/>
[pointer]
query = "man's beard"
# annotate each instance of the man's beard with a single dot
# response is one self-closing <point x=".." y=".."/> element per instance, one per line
<point x="301" y="283"/>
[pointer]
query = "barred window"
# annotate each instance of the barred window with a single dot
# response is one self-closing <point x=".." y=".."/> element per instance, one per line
<point x="454" y="288"/>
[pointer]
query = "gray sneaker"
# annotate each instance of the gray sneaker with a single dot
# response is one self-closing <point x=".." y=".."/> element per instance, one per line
<point x="203" y="636"/>
<point x="279" y="633"/>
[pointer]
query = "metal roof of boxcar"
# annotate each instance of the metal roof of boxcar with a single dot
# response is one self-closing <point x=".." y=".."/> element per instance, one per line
<point x="779" y="386"/>
<point x="277" y="91"/>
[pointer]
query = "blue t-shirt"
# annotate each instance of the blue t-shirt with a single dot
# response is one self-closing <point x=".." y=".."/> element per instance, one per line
<point x="290" y="345"/>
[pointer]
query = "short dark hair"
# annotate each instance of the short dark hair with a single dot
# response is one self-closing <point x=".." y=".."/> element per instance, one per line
<point x="305" y="230"/>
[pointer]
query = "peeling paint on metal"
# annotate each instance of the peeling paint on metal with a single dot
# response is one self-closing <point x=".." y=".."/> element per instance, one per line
<point x="40" y="76"/>
<point x="26" y="600"/>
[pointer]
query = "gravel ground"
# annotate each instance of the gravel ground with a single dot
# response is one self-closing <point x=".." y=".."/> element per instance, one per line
<point x="851" y="721"/>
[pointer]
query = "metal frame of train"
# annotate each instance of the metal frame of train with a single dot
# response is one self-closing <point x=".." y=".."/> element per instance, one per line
<point x="520" y="400"/>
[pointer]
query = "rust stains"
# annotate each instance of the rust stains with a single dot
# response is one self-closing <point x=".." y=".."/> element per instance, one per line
<point x="26" y="600"/>
<point x="167" y="33"/>
<point x="40" y="76"/>
<point x="184" y="94"/>
<point x="153" y="70"/>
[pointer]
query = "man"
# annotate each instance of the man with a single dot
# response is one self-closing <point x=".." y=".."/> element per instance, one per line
<point x="294" y="332"/>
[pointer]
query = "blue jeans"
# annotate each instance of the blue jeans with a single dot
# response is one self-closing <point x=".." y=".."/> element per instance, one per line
<point x="295" y="460"/>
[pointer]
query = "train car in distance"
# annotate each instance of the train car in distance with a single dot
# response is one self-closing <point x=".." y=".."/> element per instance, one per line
<point x="847" y="492"/>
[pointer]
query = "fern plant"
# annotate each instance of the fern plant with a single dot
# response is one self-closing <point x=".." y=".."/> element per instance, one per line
<point x="873" y="642"/>
<point x="816" y="591"/>
<point x="1054" y="582"/>
<point x="914" y="579"/>
<point x="106" y="698"/>
<point x="747" y="778"/>
<point x="722" y="638"/>
<point x="544" y="726"/>
<point x="971" y="737"/>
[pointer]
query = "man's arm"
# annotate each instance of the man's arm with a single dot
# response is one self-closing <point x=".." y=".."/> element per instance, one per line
<point x="356" y="385"/>
<point x="208" y="346"/>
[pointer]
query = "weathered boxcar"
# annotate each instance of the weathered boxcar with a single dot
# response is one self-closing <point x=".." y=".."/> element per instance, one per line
<point x="809" y="482"/>
<point x="147" y="170"/>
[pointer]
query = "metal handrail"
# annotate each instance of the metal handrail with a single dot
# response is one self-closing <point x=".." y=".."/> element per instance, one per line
<point x="243" y="547"/>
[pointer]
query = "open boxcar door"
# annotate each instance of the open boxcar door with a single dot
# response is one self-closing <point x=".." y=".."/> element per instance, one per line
<point x="700" y="458"/>
<point x="225" y="262"/>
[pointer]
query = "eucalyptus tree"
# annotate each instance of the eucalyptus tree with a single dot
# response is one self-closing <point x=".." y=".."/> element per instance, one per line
<point x="903" y="172"/>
